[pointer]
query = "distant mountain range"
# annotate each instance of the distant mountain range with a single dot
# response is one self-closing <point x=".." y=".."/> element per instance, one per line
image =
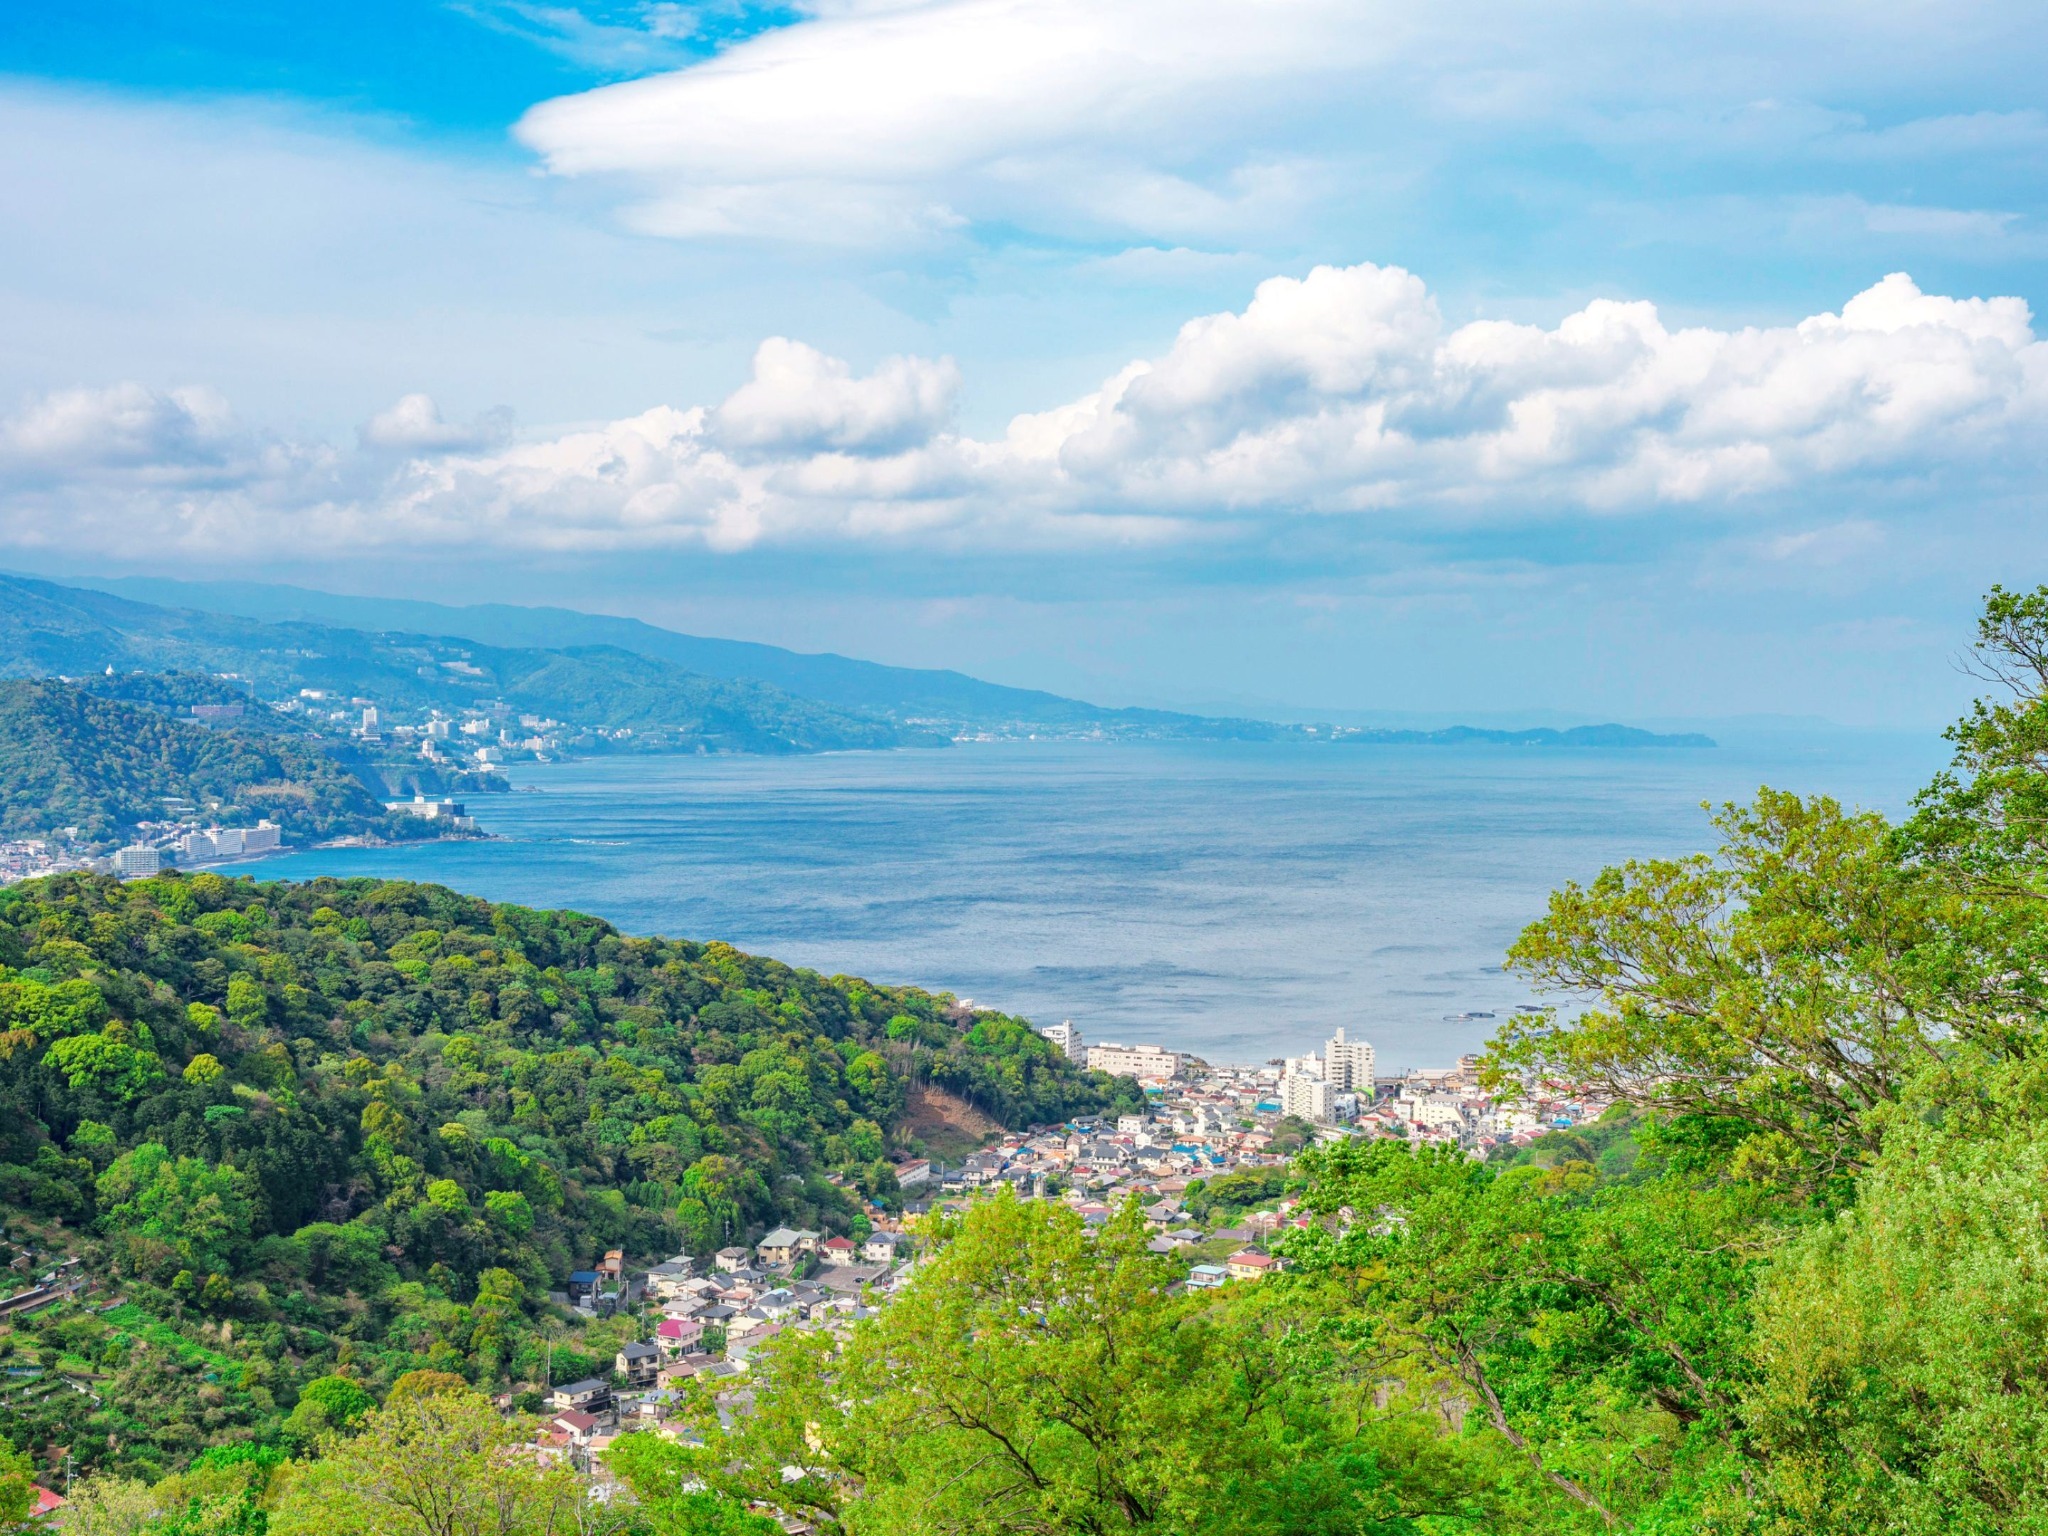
<point x="949" y="701"/>
<point x="612" y="683"/>
<point x="638" y="702"/>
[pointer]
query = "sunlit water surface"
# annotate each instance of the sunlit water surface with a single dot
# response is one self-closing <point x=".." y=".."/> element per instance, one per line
<point x="1235" y="900"/>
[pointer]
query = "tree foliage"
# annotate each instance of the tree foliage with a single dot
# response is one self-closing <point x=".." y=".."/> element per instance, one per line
<point x="1041" y="1377"/>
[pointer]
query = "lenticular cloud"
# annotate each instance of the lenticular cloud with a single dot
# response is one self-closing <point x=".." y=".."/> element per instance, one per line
<point x="1341" y="393"/>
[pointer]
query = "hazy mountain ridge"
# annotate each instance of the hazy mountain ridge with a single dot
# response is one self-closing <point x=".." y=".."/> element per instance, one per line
<point x="902" y="693"/>
<point x="50" y="629"/>
<point x="943" y="700"/>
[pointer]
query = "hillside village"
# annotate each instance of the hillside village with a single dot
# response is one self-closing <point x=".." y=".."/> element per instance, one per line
<point x="1207" y="1161"/>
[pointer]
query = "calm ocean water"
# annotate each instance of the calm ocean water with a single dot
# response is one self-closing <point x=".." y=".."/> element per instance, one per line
<point x="1239" y="901"/>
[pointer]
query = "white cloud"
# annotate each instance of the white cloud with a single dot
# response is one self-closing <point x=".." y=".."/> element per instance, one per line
<point x="883" y="122"/>
<point x="414" y="424"/>
<point x="654" y="38"/>
<point x="1341" y="393"/>
<point x="875" y="121"/>
<point x="800" y="400"/>
<point x="83" y="432"/>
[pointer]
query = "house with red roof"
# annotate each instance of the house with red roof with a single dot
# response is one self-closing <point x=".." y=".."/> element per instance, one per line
<point x="679" y="1335"/>
<point x="1250" y="1264"/>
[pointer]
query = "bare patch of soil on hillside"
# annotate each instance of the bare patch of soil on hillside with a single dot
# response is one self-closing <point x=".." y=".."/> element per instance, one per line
<point x="947" y="1124"/>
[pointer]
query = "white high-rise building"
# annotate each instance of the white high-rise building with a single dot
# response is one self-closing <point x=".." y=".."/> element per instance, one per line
<point x="1306" y="1097"/>
<point x="138" y="859"/>
<point x="1068" y="1039"/>
<point x="1348" y="1065"/>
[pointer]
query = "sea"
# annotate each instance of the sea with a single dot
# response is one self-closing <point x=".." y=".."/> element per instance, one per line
<point x="1236" y="900"/>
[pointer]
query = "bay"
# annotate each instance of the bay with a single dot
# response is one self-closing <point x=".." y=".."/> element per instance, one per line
<point x="1236" y="900"/>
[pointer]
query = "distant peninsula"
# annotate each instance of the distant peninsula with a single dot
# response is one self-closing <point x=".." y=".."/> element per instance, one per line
<point x="1600" y="736"/>
<point x="469" y="690"/>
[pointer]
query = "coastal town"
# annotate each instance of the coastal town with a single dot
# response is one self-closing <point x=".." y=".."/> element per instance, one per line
<point x="1207" y="1161"/>
<point x="426" y="746"/>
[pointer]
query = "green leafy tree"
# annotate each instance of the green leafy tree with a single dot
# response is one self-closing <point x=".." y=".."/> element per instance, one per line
<point x="202" y="1212"/>
<point x="18" y="1495"/>
<point x="105" y="1064"/>
<point x="1903" y="1347"/>
<point x="432" y="1463"/>
<point x="1039" y="1376"/>
<point x="328" y="1405"/>
<point x="672" y="1499"/>
<point x="1779" y="987"/>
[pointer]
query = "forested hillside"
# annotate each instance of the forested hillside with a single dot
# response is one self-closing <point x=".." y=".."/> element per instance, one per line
<point x="72" y="757"/>
<point x="368" y="1124"/>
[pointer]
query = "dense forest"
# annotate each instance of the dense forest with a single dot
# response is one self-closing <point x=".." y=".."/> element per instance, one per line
<point x="369" y="1126"/>
<point x="73" y="756"/>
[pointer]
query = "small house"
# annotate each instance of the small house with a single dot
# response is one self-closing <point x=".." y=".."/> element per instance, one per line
<point x="590" y="1395"/>
<point x="784" y="1246"/>
<point x="1250" y="1264"/>
<point x="639" y="1364"/>
<point x="679" y="1335"/>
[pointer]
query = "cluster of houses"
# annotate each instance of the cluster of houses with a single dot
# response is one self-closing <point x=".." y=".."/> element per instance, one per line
<point x="707" y="1320"/>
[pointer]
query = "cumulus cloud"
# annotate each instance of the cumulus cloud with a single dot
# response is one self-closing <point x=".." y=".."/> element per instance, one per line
<point x="413" y="424"/>
<point x="82" y="432"/>
<point x="800" y="400"/>
<point x="1339" y="394"/>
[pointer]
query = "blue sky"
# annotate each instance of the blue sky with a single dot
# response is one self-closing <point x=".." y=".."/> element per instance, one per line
<point x="1626" y="361"/>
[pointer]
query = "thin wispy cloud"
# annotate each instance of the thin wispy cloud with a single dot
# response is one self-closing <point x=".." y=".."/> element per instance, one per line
<point x="1202" y="120"/>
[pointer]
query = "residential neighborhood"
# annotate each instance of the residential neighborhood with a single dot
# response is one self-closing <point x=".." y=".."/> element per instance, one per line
<point x="1211" y="1140"/>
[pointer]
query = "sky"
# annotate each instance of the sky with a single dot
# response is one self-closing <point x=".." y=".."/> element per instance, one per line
<point x="1635" y="362"/>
